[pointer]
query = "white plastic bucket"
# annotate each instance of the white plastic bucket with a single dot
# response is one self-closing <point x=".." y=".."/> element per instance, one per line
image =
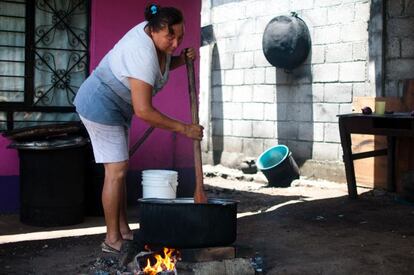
<point x="159" y="184"/>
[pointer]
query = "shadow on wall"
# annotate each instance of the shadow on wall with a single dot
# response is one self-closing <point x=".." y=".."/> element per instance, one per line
<point x="217" y="119"/>
<point x="294" y="109"/>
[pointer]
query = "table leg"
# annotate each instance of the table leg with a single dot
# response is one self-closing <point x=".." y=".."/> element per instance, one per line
<point x="391" y="163"/>
<point x="347" y="158"/>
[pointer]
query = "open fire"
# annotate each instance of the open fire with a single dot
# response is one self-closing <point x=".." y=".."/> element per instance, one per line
<point x="161" y="263"/>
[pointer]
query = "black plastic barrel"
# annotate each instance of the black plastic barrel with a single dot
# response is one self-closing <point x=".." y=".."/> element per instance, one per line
<point x="278" y="165"/>
<point x="52" y="181"/>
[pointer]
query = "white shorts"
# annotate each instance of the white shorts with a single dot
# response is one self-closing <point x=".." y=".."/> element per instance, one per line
<point x="110" y="143"/>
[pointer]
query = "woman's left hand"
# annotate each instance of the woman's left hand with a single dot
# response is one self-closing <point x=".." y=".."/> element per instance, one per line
<point x="190" y="53"/>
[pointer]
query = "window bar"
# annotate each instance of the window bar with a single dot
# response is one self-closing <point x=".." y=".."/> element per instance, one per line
<point x="29" y="53"/>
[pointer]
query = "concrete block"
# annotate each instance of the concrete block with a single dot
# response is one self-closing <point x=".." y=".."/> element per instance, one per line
<point x="287" y="130"/>
<point x="253" y="42"/>
<point x="325" y="112"/>
<point x="341" y="14"/>
<point x="362" y="11"/>
<point x="318" y="54"/>
<point x="217" y="143"/>
<point x="264" y="129"/>
<point x="338" y="92"/>
<point x="223" y="61"/>
<point x="360" y="51"/>
<point x="243" y="93"/>
<point x="255" y="76"/>
<point x="393" y="47"/>
<point x="228" y="12"/>
<point x="355" y="31"/>
<point x="226" y="267"/>
<point x="327" y="35"/>
<point x="400" y="26"/>
<point x="332" y="132"/>
<point x="339" y="52"/>
<point x="268" y="143"/>
<point x="409" y="8"/>
<point x="361" y="89"/>
<point x="221" y="127"/>
<point x="242" y="128"/>
<point x="327" y="3"/>
<point x="301" y="150"/>
<point x="260" y="60"/>
<point x="325" y="72"/>
<point x="297" y="5"/>
<point x="318" y="92"/>
<point x="277" y="7"/>
<point x="222" y="93"/>
<point x="217" y="110"/>
<point x="256" y="9"/>
<point x="302" y="93"/>
<point x="253" y="111"/>
<point x="400" y="69"/>
<point x="407" y="47"/>
<point x="224" y="30"/>
<point x="325" y="151"/>
<point x="345" y="108"/>
<point x="252" y="147"/>
<point x="310" y="131"/>
<point x="264" y="93"/>
<point x="300" y="112"/>
<point x="281" y="111"/>
<point x="261" y="22"/>
<point x="232" y="144"/>
<point x="284" y="94"/>
<point x="353" y="71"/>
<point x="315" y="17"/>
<point x="243" y="60"/>
<point x="232" y="110"/>
<point x="234" y="44"/>
<point x="217" y="78"/>
<point x="245" y="26"/>
<point x="395" y="8"/>
<point x="270" y="75"/>
<point x="270" y="112"/>
<point x="207" y="254"/>
<point x="233" y="77"/>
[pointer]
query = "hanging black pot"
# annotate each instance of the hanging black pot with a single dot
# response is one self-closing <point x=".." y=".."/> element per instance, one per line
<point x="286" y="41"/>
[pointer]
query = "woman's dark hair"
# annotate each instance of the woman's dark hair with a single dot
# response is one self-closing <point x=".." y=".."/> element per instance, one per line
<point x="159" y="17"/>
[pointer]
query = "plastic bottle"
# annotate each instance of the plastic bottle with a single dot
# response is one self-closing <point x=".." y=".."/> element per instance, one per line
<point x="257" y="263"/>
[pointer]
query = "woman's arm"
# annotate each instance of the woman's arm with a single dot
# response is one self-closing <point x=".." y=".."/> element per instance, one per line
<point x="141" y="93"/>
<point x="179" y="60"/>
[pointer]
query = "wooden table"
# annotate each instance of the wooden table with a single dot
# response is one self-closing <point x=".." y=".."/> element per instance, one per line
<point x="391" y="126"/>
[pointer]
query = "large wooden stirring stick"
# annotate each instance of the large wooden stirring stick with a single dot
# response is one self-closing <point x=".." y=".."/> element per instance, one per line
<point x="199" y="194"/>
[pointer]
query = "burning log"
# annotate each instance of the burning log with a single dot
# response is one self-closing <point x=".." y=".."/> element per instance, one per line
<point x="156" y="263"/>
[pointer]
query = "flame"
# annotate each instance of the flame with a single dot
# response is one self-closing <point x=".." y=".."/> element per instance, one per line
<point x="163" y="263"/>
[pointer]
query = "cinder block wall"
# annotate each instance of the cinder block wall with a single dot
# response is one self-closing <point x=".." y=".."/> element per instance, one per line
<point x="255" y="105"/>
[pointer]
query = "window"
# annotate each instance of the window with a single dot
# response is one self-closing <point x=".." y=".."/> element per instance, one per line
<point x="43" y="60"/>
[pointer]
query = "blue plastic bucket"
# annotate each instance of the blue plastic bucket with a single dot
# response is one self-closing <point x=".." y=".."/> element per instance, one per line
<point x="278" y="165"/>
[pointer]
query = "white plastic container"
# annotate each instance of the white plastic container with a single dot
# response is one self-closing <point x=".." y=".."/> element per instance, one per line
<point x="159" y="184"/>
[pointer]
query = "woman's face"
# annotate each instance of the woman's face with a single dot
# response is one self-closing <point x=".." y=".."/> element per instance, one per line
<point x="167" y="42"/>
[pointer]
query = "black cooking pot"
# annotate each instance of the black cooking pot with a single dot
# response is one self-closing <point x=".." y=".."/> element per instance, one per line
<point x="286" y="41"/>
<point x="181" y="223"/>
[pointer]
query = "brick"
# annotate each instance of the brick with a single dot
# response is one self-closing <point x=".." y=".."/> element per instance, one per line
<point x="253" y="111"/>
<point x="352" y="71"/>
<point x="356" y="31"/>
<point x="243" y="60"/>
<point x="325" y="151"/>
<point x="264" y="93"/>
<point x="232" y="110"/>
<point x="233" y="77"/>
<point x="338" y="92"/>
<point x="325" y="112"/>
<point x="339" y="52"/>
<point x="242" y="128"/>
<point x="325" y="72"/>
<point x="332" y="132"/>
<point x="264" y="129"/>
<point x="242" y="93"/>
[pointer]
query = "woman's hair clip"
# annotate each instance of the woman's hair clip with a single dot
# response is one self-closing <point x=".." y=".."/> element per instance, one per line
<point x="154" y="9"/>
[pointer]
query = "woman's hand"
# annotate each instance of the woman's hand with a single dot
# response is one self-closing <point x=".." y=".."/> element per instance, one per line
<point x="193" y="131"/>
<point x="190" y="53"/>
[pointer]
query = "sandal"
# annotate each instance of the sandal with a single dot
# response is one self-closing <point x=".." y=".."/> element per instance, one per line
<point x="109" y="249"/>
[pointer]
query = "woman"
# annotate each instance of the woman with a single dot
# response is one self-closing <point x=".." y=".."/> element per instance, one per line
<point x="123" y="85"/>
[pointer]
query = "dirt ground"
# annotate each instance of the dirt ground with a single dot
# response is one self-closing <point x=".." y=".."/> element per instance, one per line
<point x="309" y="228"/>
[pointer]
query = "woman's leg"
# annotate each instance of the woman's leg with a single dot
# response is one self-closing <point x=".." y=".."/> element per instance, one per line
<point x="123" y="218"/>
<point x="112" y="198"/>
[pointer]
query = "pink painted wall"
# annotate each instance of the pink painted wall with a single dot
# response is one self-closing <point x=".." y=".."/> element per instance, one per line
<point x="163" y="149"/>
<point x="110" y="22"/>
